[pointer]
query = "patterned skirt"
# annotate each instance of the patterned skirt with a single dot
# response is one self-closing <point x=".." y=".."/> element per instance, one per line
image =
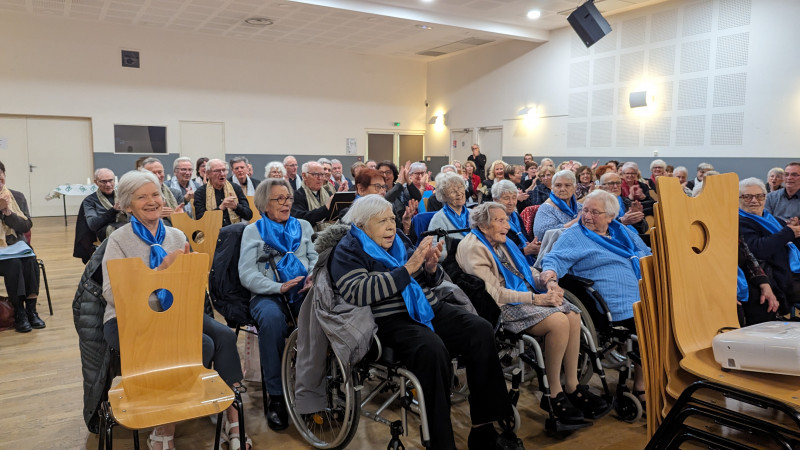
<point x="517" y="318"/>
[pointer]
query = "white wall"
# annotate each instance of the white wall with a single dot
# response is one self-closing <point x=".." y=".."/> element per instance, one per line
<point x="272" y="99"/>
<point x="488" y="86"/>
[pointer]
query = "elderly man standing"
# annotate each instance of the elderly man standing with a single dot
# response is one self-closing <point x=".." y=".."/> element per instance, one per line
<point x="311" y="201"/>
<point x="241" y="177"/>
<point x="479" y="160"/>
<point x="98" y="216"/>
<point x="225" y="196"/>
<point x="290" y="163"/>
<point x="337" y="176"/>
<point x="171" y="205"/>
<point x="784" y="203"/>
<point x="182" y="182"/>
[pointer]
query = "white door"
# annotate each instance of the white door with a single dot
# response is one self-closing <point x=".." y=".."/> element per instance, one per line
<point x="491" y="141"/>
<point x="59" y="152"/>
<point x="203" y="139"/>
<point x="14" y="153"/>
<point x="461" y="144"/>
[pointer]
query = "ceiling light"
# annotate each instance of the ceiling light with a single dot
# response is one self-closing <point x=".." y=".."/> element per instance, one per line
<point x="424" y="27"/>
<point x="534" y="14"/>
<point x="258" y="21"/>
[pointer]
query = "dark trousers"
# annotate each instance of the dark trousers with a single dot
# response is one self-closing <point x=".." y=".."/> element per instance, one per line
<point x="753" y="311"/>
<point x="21" y="276"/>
<point x="219" y="348"/>
<point x="269" y="314"/>
<point x="428" y="355"/>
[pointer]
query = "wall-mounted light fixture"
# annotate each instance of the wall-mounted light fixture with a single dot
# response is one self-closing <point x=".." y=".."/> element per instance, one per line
<point x="438" y="119"/>
<point x="526" y="110"/>
<point x="640" y="99"/>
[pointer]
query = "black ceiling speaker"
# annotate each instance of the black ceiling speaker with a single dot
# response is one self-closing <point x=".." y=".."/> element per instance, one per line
<point x="130" y="58"/>
<point x="590" y="25"/>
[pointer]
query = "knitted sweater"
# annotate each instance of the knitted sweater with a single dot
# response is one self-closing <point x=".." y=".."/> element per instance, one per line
<point x="613" y="275"/>
<point x="123" y="243"/>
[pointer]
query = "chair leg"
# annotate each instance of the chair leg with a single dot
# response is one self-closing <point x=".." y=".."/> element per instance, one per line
<point x="136" y="439"/>
<point x="218" y="433"/>
<point x="46" y="285"/>
<point x="240" y="409"/>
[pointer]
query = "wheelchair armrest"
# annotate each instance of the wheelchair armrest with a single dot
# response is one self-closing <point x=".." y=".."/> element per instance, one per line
<point x="583" y="282"/>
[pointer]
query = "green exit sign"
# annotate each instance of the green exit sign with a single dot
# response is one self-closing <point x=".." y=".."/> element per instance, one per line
<point x="397" y="124"/>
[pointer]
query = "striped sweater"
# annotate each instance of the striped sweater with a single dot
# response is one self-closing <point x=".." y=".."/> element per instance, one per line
<point x="363" y="281"/>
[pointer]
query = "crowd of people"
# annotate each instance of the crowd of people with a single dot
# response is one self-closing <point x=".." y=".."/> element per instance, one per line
<point x="519" y="228"/>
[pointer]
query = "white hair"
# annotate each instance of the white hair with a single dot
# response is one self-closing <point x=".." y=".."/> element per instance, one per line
<point x="448" y="166"/>
<point x="680" y="169"/>
<point x="752" y="181"/>
<point x="705" y="166"/>
<point x="657" y="163"/>
<point x="285" y="159"/>
<point x="217" y="162"/>
<point x="131" y="182"/>
<point x="365" y="208"/>
<point x="610" y="202"/>
<point x="261" y="196"/>
<point x="480" y="217"/>
<point x="324" y="161"/>
<point x="274" y="165"/>
<point x="445" y="182"/>
<point x="502" y="187"/>
<point x="180" y="160"/>
<point x="630" y="164"/>
<point x="566" y="173"/>
<point x="417" y="166"/>
<point x="98" y="171"/>
<point x="776" y="171"/>
<point x="607" y="175"/>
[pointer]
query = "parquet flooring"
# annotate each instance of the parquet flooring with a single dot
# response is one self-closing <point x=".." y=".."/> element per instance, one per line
<point x="41" y="393"/>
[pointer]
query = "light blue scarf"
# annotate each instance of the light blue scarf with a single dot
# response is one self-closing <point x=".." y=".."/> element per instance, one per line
<point x="284" y="238"/>
<point x="571" y="210"/>
<point x="458" y="220"/>
<point x="512" y="281"/>
<point x="742" y="292"/>
<point x="414" y="297"/>
<point x="515" y="223"/>
<point x="157" y="253"/>
<point x="620" y="244"/>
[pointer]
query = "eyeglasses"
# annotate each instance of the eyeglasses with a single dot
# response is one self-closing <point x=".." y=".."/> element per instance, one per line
<point x="282" y="200"/>
<point x="385" y="172"/>
<point x="185" y="170"/>
<point x="791" y="174"/>
<point x="593" y="213"/>
<point x="219" y="171"/>
<point x="613" y="183"/>
<point x="630" y="173"/>
<point x="316" y="174"/>
<point x="111" y="181"/>
<point x="290" y="165"/>
<point x="750" y="197"/>
<point x="564" y="186"/>
<point x="380" y="186"/>
<point x="417" y="173"/>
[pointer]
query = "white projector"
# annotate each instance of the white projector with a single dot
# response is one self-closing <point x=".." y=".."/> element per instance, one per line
<point x="771" y="347"/>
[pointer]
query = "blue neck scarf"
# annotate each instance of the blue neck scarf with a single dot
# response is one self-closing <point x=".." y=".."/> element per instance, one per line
<point x="771" y="224"/>
<point x="571" y="210"/>
<point x="414" y="297"/>
<point x="157" y="253"/>
<point x="622" y="210"/>
<point x="458" y="220"/>
<point x="512" y="281"/>
<point x="284" y="238"/>
<point x="620" y="244"/>
<point x="515" y="223"/>
<point x="742" y="291"/>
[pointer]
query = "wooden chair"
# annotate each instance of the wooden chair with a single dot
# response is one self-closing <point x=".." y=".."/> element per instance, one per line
<point x="44" y="274"/>
<point x="202" y="234"/>
<point x="163" y="378"/>
<point x="252" y="203"/>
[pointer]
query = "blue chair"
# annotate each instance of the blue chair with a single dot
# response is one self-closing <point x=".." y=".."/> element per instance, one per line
<point x="420" y="222"/>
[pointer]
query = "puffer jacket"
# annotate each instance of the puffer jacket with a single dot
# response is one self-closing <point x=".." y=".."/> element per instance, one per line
<point x="87" y="311"/>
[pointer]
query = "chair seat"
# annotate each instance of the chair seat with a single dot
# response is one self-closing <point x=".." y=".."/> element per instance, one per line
<point x="136" y="407"/>
<point x="783" y="388"/>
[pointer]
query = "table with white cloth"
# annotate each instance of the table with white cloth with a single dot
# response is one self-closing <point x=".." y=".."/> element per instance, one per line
<point x="63" y="190"/>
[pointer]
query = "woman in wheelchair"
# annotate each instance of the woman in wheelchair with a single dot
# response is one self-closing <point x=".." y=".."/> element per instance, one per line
<point x="506" y="193"/>
<point x="602" y="249"/>
<point x="561" y="210"/>
<point x="275" y="243"/>
<point x="486" y="254"/>
<point x="375" y="266"/>
<point x="454" y="215"/>
<point x="147" y="238"/>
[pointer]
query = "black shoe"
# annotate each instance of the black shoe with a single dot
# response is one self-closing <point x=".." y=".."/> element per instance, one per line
<point x="590" y="404"/>
<point x="563" y="409"/>
<point x="482" y="437"/>
<point x="277" y="417"/>
<point x="21" y="324"/>
<point x="33" y="317"/>
<point x="509" y="441"/>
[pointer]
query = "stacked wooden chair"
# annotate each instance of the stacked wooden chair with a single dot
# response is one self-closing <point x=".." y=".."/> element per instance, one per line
<point x="202" y="233"/>
<point x="688" y="295"/>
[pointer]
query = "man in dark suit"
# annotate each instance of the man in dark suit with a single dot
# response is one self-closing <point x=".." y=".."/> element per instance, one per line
<point x="239" y="175"/>
<point x="479" y="160"/>
<point x="221" y="194"/>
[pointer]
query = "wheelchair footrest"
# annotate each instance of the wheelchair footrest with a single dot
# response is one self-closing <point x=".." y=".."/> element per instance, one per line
<point x="557" y="426"/>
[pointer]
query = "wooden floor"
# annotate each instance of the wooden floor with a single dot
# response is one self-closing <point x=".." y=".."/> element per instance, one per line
<point x="41" y="392"/>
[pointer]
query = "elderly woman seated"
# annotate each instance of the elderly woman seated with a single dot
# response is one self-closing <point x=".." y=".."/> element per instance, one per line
<point x="541" y="192"/>
<point x="773" y="241"/>
<point x="507" y="194"/>
<point x="453" y="215"/>
<point x="602" y="249"/>
<point x="274" y="169"/>
<point x="375" y="266"/>
<point x="561" y="210"/>
<point x="486" y="254"/>
<point x="630" y="211"/>
<point x="276" y="242"/>
<point x="147" y="238"/>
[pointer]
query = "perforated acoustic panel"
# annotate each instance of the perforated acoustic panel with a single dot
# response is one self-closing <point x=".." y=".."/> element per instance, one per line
<point x="631" y="66"/>
<point x="692" y="93"/>
<point x="732" y="51"/>
<point x="697" y="18"/>
<point x="576" y="134"/>
<point x="604" y="70"/>
<point x="633" y="32"/>
<point x="690" y="130"/>
<point x="579" y="104"/>
<point x="695" y="56"/>
<point x="664" y="26"/>
<point x="603" y="102"/>
<point x="733" y="13"/>
<point x="601" y="133"/>
<point x="726" y="128"/>
<point x="628" y="132"/>
<point x="579" y="74"/>
<point x="661" y="61"/>
<point x="730" y="89"/>
<point x="657" y="132"/>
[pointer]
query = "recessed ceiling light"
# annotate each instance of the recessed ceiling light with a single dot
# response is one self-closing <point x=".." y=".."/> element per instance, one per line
<point x="258" y="21"/>
<point x="534" y="14"/>
<point x="424" y="27"/>
<point x="427" y="1"/>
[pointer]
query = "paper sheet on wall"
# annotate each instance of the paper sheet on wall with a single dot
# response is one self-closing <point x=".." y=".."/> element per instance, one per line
<point x="350" y="146"/>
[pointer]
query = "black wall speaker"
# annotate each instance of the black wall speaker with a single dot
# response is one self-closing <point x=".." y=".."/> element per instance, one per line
<point x="130" y="58"/>
<point x="590" y="25"/>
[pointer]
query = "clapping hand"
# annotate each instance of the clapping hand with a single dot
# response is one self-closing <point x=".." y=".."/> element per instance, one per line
<point x="306" y="285"/>
<point x="172" y="256"/>
<point x="229" y="202"/>
<point x="285" y="287"/>
<point x="432" y="258"/>
<point x="418" y="257"/>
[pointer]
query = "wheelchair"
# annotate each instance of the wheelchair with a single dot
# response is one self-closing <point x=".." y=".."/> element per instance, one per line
<point x="616" y="345"/>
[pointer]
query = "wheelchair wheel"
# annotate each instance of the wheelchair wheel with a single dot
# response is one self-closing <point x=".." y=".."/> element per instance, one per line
<point x="335" y="426"/>
<point x="628" y="407"/>
<point x="585" y="370"/>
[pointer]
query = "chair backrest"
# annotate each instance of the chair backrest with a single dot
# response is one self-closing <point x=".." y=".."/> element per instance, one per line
<point x="159" y="350"/>
<point x="420" y="222"/>
<point x="700" y="243"/>
<point x="256" y="214"/>
<point x="208" y="226"/>
<point x="527" y="215"/>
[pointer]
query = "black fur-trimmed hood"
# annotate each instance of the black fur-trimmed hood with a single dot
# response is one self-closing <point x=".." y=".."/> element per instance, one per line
<point x="331" y="236"/>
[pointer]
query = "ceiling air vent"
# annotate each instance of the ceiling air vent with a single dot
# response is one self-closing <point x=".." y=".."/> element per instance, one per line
<point x="453" y="47"/>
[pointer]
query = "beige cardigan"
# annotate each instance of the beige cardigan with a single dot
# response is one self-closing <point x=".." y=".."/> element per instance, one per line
<point x="475" y="259"/>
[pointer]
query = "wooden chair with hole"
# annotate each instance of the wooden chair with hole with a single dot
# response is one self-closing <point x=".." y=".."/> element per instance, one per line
<point x="697" y="242"/>
<point x="163" y="379"/>
<point x="252" y="203"/>
<point x="202" y="234"/>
